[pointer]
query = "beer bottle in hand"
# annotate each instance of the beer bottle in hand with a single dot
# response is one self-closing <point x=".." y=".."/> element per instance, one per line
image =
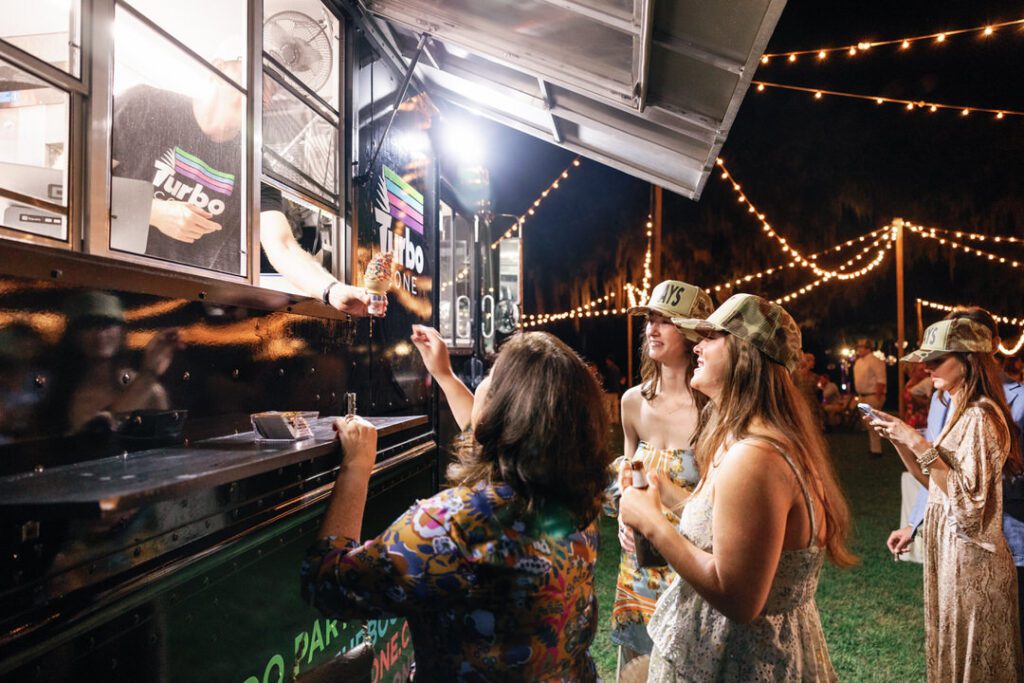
<point x="646" y="554"/>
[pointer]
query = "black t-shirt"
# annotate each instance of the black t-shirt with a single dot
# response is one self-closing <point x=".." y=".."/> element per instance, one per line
<point x="156" y="138"/>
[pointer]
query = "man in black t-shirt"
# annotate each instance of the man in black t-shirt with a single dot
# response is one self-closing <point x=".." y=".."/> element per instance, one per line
<point x="190" y="149"/>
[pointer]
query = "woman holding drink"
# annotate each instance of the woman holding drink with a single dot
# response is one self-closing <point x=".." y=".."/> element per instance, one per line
<point x="659" y="421"/>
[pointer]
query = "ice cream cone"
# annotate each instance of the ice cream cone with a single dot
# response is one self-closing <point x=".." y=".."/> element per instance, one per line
<point x="377" y="281"/>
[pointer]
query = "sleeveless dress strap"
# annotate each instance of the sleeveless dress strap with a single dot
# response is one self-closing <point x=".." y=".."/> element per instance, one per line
<point x="808" y="500"/>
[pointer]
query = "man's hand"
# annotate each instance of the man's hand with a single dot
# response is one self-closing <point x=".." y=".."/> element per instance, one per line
<point x="349" y="299"/>
<point x="626" y="541"/>
<point x="181" y="221"/>
<point x="900" y="540"/>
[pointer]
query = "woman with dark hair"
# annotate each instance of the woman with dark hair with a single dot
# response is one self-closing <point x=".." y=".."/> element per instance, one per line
<point x="93" y="376"/>
<point x="753" y="537"/>
<point x="495" y="574"/>
<point x="972" y="631"/>
<point x="659" y="423"/>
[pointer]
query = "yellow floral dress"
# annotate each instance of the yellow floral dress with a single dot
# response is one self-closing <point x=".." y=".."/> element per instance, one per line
<point x="638" y="588"/>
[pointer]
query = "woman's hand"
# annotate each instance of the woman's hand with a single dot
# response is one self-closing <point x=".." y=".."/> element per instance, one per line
<point x="900" y="540"/>
<point x="626" y="537"/>
<point x="159" y="352"/>
<point x="641" y="508"/>
<point x="358" y="440"/>
<point x="896" y="430"/>
<point x="433" y="350"/>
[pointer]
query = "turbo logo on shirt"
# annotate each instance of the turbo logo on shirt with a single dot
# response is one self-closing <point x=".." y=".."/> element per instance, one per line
<point x="174" y="171"/>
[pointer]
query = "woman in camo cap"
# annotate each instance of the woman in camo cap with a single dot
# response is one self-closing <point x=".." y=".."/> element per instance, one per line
<point x="753" y="536"/>
<point x="659" y="425"/>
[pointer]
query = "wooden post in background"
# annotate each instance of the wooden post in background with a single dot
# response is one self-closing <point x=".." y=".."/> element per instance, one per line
<point x="656" y="255"/>
<point x="901" y="336"/>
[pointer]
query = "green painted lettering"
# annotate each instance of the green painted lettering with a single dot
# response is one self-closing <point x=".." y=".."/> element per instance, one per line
<point x="331" y="630"/>
<point x="301" y="645"/>
<point x="316" y="642"/>
<point x="276" y="662"/>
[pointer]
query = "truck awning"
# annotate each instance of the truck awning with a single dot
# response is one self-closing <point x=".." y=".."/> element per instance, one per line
<point x="649" y="88"/>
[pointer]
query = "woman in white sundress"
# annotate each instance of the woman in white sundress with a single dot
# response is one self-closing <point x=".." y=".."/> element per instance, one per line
<point x="756" y="531"/>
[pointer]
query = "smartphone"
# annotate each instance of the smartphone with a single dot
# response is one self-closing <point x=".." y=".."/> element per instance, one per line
<point x="866" y="409"/>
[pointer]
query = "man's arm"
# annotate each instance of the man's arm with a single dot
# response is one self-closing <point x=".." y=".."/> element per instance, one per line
<point x="302" y="270"/>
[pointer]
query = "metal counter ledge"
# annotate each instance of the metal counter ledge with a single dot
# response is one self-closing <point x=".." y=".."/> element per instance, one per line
<point x="122" y="482"/>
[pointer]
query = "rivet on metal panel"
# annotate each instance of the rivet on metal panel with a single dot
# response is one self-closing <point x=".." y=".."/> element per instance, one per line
<point x="312" y="371"/>
<point x="125" y="378"/>
<point x="202" y="295"/>
<point x="333" y="396"/>
<point x="38" y="468"/>
<point x="317" y="398"/>
<point x="235" y="373"/>
<point x="280" y="372"/>
<point x="186" y="376"/>
<point x="56" y="273"/>
<point x="40" y="381"/>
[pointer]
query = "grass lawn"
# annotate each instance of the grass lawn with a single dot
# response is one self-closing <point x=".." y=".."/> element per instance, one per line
<point x="872" y="614"/>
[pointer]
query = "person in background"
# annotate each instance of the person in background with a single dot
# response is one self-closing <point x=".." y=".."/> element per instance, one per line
<point x="612" y="376"/>
<point x="495" y="575"/>
<point x="1013" y="487"/>
<point x="869" y="384"/>
<point x="190" y="149"/>
<point x="754" y="535"/>
<point x="833" y="404"/>
<point x="1014" y="368"/>
<point x="93" y="377"/>
<point x="917" y="394"/>
<point x="807" y="383"/>
<point x="972" y="629"/>
<point x="659" y="422"/>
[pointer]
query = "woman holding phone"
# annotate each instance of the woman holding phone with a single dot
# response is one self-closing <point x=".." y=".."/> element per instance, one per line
<point x="972" y="631"/>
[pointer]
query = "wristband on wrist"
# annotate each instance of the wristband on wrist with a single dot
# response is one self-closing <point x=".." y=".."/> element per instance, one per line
<point x="326" y="296"/>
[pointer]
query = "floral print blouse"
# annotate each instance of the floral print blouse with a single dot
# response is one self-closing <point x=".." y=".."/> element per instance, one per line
<point x="490" y="593"/>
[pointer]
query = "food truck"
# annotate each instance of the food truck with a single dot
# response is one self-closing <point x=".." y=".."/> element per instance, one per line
<point x="152" y="526"/>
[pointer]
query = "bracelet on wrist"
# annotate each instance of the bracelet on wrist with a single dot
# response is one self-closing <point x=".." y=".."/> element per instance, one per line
<point x="326" y="296"/>
<point x="927" y="458"/>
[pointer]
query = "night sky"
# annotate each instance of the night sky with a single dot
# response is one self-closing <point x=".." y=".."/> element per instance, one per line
<point x="822" y="171"/>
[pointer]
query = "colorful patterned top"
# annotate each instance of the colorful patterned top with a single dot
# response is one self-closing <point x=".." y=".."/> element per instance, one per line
<point x="638" y="588"/>
<point x="490" y="594"/>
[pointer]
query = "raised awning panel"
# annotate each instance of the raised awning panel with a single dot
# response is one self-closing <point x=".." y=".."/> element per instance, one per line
<point x="650" y="88"/>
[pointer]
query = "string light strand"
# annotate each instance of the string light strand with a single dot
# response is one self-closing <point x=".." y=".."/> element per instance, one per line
<point x="555" y="184"/>
<point x="910" y="105"/>
<point x="862" y="46"/>
<point x="927" y="234"/>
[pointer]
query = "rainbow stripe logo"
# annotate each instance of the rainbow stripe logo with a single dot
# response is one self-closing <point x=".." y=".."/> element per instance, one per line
<point x="198" y="170"/>
<point x="404" y="202"/>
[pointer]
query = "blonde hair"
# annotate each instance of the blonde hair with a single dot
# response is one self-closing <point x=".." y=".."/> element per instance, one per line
<point x="757" y="389"/>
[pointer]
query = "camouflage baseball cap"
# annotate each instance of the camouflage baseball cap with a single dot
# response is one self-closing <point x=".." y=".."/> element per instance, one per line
<point x="764" y="324"/>
<point x="959" y="334"/>
<point x="675" y="299"/>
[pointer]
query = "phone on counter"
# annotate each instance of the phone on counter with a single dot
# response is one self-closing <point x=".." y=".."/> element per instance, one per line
<point x="866" y="409"/>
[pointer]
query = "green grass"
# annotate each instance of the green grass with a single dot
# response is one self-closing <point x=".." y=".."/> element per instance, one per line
<point x="872" y="613"/>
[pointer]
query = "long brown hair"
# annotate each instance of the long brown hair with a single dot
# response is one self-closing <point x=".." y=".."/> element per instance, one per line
<point x="759" y="390"/>
<point x="650" y="376"/>
<point x="983" y="388"/>
<point x="543" y="430"/>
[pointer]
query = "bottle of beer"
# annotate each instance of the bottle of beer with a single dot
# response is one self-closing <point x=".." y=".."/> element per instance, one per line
<point x="646" y="554"/>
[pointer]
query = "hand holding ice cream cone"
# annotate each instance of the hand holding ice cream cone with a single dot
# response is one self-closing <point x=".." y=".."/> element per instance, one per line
<point x="377" y="281"/>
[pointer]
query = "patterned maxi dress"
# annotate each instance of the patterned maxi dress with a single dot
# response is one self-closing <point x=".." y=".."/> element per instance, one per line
<point x="695" y="642"/>
<point x="972" y="632"/>
<point x="638" y="588"/>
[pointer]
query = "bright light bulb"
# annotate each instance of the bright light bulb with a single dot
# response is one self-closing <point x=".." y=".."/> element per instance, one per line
<point x="760" y="87"/>
<point x="965" y="112"/>
<point x="879" y="100"/>
<point x="905" y="44"/>
<point x="989" y="30"/>
<point x="933" y="108"/>
<point x="853" y="51"/>
<point x="941" y="38"/>
<point x="999" y="115"/>
<point x="817" y="95"/>
<point x="764" y="59"/>
<point x="792" y="58"/>
<point x="822" y="54"/>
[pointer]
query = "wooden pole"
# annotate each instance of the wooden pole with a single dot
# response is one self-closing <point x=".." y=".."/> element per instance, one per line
<point x="920" y="322"/>
<point x="656" y="256"/>
<point x="897" y="223"/>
